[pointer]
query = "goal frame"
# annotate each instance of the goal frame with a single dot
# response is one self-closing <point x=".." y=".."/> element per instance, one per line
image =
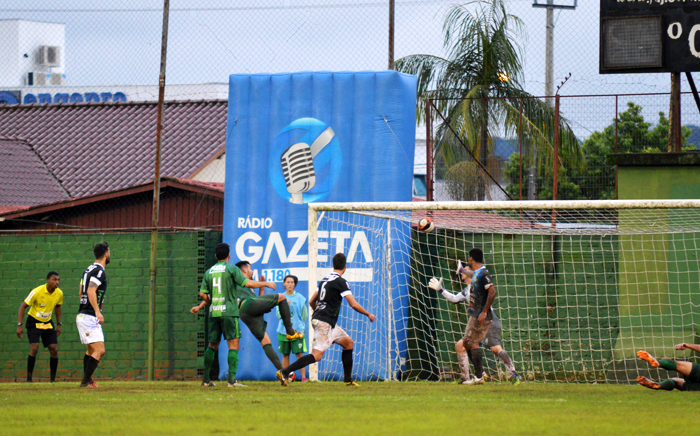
<point x="554" y="205"/>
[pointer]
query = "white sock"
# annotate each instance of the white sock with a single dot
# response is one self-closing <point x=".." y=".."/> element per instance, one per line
<point x="464" y="365"/>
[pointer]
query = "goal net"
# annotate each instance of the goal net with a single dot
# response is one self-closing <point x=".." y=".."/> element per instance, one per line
<point x="581" y="285"/>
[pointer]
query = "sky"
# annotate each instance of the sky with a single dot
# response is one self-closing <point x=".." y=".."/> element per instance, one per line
<point x="119" y="42"/>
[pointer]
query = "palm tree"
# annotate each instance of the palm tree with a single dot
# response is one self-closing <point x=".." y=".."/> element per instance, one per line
<point x="478" y="88"/>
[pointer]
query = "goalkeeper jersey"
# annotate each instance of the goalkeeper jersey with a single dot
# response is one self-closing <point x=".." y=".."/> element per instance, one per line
<point x="220" y="282"/>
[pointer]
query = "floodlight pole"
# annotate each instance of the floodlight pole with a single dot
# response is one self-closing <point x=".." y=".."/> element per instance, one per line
<point x="391" y="33"/>
<point x="156" y="201"/>
<point x="549" y="55"/>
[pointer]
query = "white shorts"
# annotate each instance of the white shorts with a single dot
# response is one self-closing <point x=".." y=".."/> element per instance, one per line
<point x="89" y="329"/>
<point x="325" y="336"/>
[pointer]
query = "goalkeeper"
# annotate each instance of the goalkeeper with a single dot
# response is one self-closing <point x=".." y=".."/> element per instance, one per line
<point x="493" y="338"/>
<point x="690" y="371"/>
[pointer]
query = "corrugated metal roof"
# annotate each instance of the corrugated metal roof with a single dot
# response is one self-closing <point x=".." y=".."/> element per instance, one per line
<point x="93" y="148"/>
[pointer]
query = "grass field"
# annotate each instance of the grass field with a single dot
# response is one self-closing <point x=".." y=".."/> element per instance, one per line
<point x="326" y="409"/>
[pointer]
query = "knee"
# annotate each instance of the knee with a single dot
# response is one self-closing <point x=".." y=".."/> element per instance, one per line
<point x="280" y="298"/>
<point x="53" y="350"/>
<point x="33" y="349"/>
<point x="213" y="346"/>
<point x="349" y="344"/>
<point x="459" y="347"/>
<point x="496" y="350"/>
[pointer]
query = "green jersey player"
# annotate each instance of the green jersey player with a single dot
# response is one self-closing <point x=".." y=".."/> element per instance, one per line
<point x="689" y="370"/>
<point x="219" y="289"/>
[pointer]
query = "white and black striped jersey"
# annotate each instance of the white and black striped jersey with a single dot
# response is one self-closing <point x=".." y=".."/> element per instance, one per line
<point x="95" y="273"/>
<point x="331" y="291"/>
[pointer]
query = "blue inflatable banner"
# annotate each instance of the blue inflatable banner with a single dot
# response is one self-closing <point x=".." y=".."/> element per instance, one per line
<point x="305" y="137"/>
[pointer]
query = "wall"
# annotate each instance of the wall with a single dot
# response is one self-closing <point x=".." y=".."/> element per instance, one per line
<point x="182" y="257"/>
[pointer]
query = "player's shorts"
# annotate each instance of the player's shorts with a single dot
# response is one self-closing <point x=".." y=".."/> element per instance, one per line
<point x="290" y="347"/>
<point x="226" y="325"/>
<point x="476" y="331"/>
<point x="41" y="330"/>
<point x="252" y="311"/>
<point x="325" y="335"/>
<point x="694" y="376"/>
<point x="89" y="329"/>
<point x="493" y="337"/>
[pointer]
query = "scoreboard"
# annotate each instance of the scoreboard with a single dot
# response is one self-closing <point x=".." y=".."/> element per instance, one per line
<point x="649" y="36"/>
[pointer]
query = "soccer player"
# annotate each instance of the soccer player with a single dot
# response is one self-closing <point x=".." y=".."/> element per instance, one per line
<point x="219" y="289"/>
<point x="480" y="313"/>
<point x="690" y="371"/>
<point x="253" y="308"/>
<point x="93" y="287"/>
<point x="297" y="306"/>
<point x="42" y="302"/>
<point x="493" y="338"/>
<point x="326" y="302"/>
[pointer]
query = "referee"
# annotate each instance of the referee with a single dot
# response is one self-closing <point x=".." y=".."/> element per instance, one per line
<point x="42" y="302"/>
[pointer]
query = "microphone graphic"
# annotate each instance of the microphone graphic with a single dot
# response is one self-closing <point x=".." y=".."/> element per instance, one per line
<point x="298" y="165"/>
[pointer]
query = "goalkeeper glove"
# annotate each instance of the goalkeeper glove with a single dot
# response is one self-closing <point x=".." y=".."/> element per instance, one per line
<point x="459" y="266"/>
<point x="435" y="284"/>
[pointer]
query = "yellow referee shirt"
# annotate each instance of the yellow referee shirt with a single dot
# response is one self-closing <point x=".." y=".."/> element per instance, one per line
<point x="41" y="303"/>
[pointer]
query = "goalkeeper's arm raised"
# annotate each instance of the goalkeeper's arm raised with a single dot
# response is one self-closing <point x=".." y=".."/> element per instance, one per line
<point x="436" y="285"/>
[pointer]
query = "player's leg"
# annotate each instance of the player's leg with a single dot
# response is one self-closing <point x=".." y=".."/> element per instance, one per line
<point x="502" y="354"/>
<point x="286" y="315"/>
<point x="476" y="332"/>
<point x="232" y="334"/>
<point x="215" y="332"/>
<point x="267" y="346"/>
<point x="462" y="359"/>
<point x="322" y="340"/>
<point x="666" y="385"/>
<point x="347" y="343"/>
<point x="98" y="350"/>
<point x="91" y="334"/>
<point x="303" y="370"/>
<point x="31" y="359"/>
<point x="285" y="360"/>
<point x="683" y="368"/>
<point x="53" y="361"/>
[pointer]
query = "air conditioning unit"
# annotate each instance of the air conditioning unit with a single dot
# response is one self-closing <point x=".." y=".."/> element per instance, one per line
<point x="38" y="78"/>
<point x="50" y="56"/>
<point x="58" y="79"/>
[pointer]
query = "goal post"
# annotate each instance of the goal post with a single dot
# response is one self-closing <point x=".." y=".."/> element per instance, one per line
<point x="581" y="285"/>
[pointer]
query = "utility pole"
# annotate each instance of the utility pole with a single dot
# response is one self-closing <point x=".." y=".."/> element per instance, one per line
<point x="392" y="5"/>
<point x="549" y="55"/>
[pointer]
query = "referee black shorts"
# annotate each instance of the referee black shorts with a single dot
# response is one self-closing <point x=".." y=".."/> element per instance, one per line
<point x="34" y="332"/>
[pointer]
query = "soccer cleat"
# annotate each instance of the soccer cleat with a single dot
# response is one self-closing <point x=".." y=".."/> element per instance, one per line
<point x="474" y="381"/>
<point x="281" y="378"/>
<point x="352" y="383"/>
<point x="648" y="357"/>
<point x="208" y="384"/>
<point x="647" y="383"/>
<point x="485" y="376"/>
<point x="91" y="384"/>
<point x="296" y="335"/>
<point x="236" y="384"/>
<point x="515" y="379"/>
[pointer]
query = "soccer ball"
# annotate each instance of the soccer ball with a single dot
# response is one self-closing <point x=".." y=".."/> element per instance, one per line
<point x="426" y="225"/>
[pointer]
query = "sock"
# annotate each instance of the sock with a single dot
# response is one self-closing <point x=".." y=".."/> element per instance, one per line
<point x="475" y="356"/>
<point x="31" y="360"/>
<point x="300" y="363"/>
<point x="209" y="355"/>
<point x="507" y="362"/>
<point x="463" y="365"/>
<point x="270" y="353"/>
<point x="668" y="385"/>
<point x="53" y="364"/>
<point x="286" y="317"/>
<point x="667" y="364"/>
<point x="85" y="361"/>
<point x="90" y="369"/>
<point x="232" y="365"/>
<point x="347" y="365"/>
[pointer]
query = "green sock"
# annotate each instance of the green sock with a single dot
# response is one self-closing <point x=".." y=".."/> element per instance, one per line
<point x="232" y="365"/>
<point x="667" y="364"/>
<point x="209" y="355"/>
<point x="274" y="358"/>
<point x="286" y="315"/>
<point x="668" y="385"/>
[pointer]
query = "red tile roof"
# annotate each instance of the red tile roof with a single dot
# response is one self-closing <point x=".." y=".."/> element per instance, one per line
<point x="25" y="179"/>
<point x="93" y="148"/>
<point x="8" y="209"/>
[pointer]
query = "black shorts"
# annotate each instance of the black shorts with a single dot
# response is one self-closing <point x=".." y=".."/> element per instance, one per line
<point x="48" y="336"/>
<point x="694" y="376"/>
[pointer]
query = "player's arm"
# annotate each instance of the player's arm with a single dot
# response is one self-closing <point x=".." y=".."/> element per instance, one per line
<point x="92" y="298"/>
<point x="358" y="307"/>
<point x="313" y="301"/>
<point x="260" y="284"/>
<point x="20" y="318"/>
<point x="492" y="294"/>
<point x="684" y="346"/>
<point x="206" y="299"/>
<point x="57" y="311"/>
<point x="436" y="285"/>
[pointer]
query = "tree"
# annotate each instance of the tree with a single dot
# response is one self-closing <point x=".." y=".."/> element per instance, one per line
<point x="478" y="88"/>
<point x="596" y="180"/>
